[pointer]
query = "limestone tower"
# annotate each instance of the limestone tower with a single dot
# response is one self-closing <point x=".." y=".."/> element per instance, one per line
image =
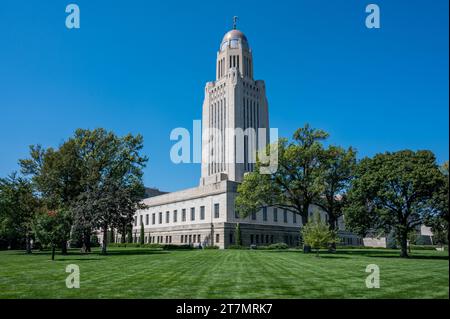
<point x="234" y="102"/>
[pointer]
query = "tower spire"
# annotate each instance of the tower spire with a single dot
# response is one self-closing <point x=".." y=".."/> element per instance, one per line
<point x="235" y="18"/>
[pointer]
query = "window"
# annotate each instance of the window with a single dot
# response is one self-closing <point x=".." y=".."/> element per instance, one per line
<point x="254" y="216"/>
<point x="236" y="214"/>
<point x="271" y="239"/>
<point x="140" y="219"/>
<point x="231" y="238"/>
<point x="264" y="213"/>
<point x="190" y="239"/>
<point x="251" y="239"/>
<point x="167" y="217"/>
<point x="175" y="216"/>
<point x="257" y="239"/>
<point x="285" y="216"/>
<point x="294" y="217"/>
<point x="146" y="219"/>
<point x="135" y="221"/>
<point x="192" y="213"/>
<point x="216" y="210"/>
<point x="267" y="239"/>
<point x="275" y="215"/>
<point x="217" y="238"/>
<point x="199" y="238"/>
<point x="183" y="215"/>
<point x="202" y="212"/>
<point x="160" y="218"/>
<point x="153" y="218"/>
<point x="181" y="238"/>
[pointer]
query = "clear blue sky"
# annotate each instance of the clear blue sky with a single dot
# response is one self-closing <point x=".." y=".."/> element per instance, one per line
<point x="141" y="67"/>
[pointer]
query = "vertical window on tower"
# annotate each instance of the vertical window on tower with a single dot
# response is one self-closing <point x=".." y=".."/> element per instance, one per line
<point x="192" y="213"/>
<point x="230" y="61"/>
<point x="202" y="212"/>
<point x="216" y="210"/>
<point x="234" y="61"/>
<point x="238" y="62"/>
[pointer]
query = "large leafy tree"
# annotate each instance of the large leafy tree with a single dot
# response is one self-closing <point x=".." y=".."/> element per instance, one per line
<point x="19" y="206"/>
<point x="337" y="168"/>
<point x="57" y="175"/>
<point x="295" y="185"/>
<point x="392" y="191"/>
<point x="87" y="169"/>
<point x="51" y="228"/>
<point x="113" y="181"/>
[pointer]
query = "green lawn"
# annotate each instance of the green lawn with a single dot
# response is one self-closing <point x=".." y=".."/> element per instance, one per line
<point x="146" y="273"/>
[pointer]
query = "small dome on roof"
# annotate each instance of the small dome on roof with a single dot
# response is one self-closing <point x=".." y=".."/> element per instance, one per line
<point x="232" y="39"/>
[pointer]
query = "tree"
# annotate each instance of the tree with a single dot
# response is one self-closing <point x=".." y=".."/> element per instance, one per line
<point x="51" y="228"/>
<point x="238" y="234"/>
<point x="338" y="167"/>
<point x="96" y="176"/>
<point x="129" y="234"/>
<point x="317" y="234"/>
<point x="18" y="208"/>
<point x="438" y="216"/>
<point x="392" y="191"/>
<point x="141" y="234"/>
<point x="295" y="185"/>
<point x="58" y="176"/>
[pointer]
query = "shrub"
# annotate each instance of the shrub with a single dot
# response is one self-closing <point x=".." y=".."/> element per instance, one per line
<point x="171" y="247"/>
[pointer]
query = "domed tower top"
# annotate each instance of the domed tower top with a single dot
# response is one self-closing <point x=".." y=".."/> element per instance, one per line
<point x="233" y="39"/>
<point x="234" y="52"/>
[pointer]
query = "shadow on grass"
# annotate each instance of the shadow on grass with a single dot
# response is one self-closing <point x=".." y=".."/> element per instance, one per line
<point x="388" y="254"/>
<point x="127" y="252"/>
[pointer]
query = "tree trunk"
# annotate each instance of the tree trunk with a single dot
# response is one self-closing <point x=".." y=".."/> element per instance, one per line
<point x="53" y="252"/>
<point x="28" y="243"/>
<point x="404" y="244"/>
<point x="332" y="224"/>
<point x="124" y="234"/>
<point x="305" y="214"/>
<point x="64" y="248"/>
<point x="105" y="239"/>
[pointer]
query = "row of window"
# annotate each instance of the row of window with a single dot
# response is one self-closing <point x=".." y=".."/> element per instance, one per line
<point x="275" y="215"/>
<point x="184" y="239"/>
<point x="175" y="216"/>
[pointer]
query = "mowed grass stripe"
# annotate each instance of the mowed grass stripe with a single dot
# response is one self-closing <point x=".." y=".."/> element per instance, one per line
<point x="145" y="273"/>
